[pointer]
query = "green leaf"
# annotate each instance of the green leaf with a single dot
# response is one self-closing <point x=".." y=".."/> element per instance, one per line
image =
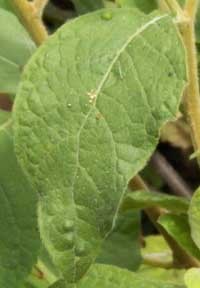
<point x="146" y="6"/>
<point x="171" y="276"/>
<point x="85" y="6"/>
<point x="5" y="4"/>
<point x="108" y="276"/>
<point x="87" y="118"/>
<point x="145" y="199"/>
<point x="156" y="246"/>
<point x="178" y="227"/>
<point x="192" y="278"/>
<point x="15" y="50"/>
<point x="194" y="217"/>
<point x="19" y="238"/>
<point x="122" y="247"/>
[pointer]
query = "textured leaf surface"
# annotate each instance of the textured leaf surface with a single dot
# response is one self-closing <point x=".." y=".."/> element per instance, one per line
<point x="192" y="278"/>
<point x="145" y="199"/>
<point x="178" y="227"/>
<point x="146" y="6"/>
<point x="84" y="6"/>
<point x="107" y="276"/>
<point x="122" y="247"/>
<point x="15" y="50"/>
<point x="194" y="217"/>
<point x="19" y="238"/>
<point x="87" y="118"/>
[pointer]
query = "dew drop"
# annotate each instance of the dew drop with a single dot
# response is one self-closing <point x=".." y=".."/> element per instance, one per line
<point x="69" y="105"/>
<point x="106" y="16"/>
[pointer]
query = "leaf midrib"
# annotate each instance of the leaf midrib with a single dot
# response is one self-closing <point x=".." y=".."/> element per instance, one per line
<point x="98" y="90"/>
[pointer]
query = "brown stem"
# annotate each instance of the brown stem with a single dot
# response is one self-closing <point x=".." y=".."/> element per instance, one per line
<point x="32" y="20"/>
<point x="170" y="175"/>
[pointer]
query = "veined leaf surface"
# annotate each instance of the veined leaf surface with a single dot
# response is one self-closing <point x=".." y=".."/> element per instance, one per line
<point x="19" y="237"/>
<point x="87" y="118"/>
<point x="108" y="276"/>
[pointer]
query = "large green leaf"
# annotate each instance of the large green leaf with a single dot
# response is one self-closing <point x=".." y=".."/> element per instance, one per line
<point x="15" y="50"/>
<point x="194" y="217"/>
<point x="145" y="199"/>
<point x="107" y="276"/>
<point x="84" y="6"/>
<point x="19" y="238"/>
<point x="178" y="227"/>
<point x="146" y="6"/>
<point x="87" y="118"/>
<point x="122" y="247"/>
<point x="192" y="278"/>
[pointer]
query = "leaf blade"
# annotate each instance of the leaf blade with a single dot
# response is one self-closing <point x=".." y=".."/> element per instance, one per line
<point x="19" y="233"/>
<point x="146" y="199"/>
<point x="77" y="212"/>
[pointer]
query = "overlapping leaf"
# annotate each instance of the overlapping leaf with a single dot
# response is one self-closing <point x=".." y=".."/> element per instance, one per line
<point x="194" y="217"/>
<point x="144" y="5"/>
<point x="178" y="227"/>
<point x="19" y="237"/>
<point x="87" y="118"/>
<point x="122" y="247"/>
<point x="107" y="276"/>
<point x="145" y="199"/>
<point x="84" y="6"/>
<point x="192" y="278"/>
<point x="15" y="50"/>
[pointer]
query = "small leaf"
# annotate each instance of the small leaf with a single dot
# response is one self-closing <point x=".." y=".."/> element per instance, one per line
<point x="122" y="247"/>
<point x="194" y="217"/>
<point x="85" y="6"/>
<point x="144" y="5"/>
<point x="178" y="227"/>
<point x="87" y="118"/>
<point x="192" y="278"/>
<point x="145" y="199"/>
<point x="156" y="246"/>
<point x="19" y="237"/>
<point x="15" y="50"/>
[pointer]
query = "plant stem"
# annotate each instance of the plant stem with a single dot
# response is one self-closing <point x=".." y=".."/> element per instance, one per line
<point x="181" y="258"/>
<point x="170" y="175"/>
<point x="174" y="7"/>
<point x="32" y="20"/>
<point x="191" y="8"/>
<point x="40" y="5"/>
<point x="192" y="96"/>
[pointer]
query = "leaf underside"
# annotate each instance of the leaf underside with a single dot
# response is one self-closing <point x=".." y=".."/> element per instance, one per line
<point x="87" y="118"/>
